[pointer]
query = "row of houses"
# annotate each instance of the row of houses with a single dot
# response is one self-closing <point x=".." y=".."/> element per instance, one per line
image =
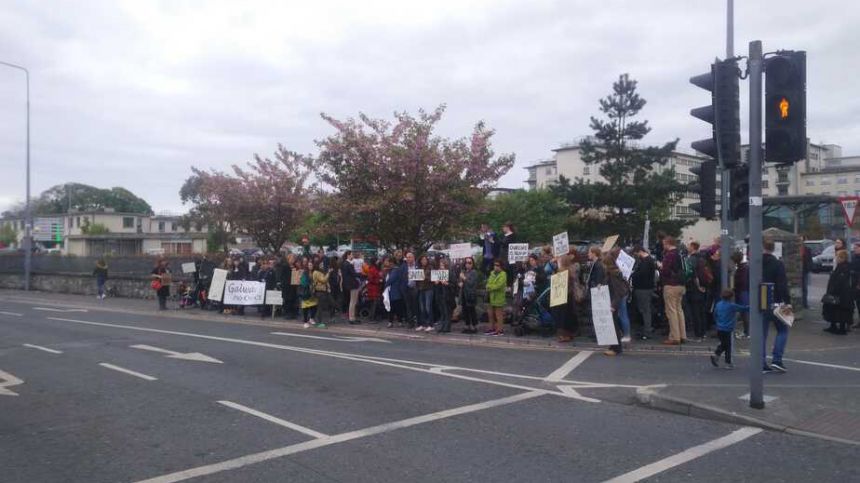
<point x="103" y="232"/>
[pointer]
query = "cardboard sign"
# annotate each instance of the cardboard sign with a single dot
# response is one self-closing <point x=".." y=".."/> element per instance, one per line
<point x="560" y="244"/>
<point x="274" y="297"/>
<point x="251" y="266"/>
<point x="609" y="243"/>
<point x="518" y="252"/>
<point x="558" y="289"/>
<point x="601" y="316"/>
<point x="777" y="250"/>
<point x="244" y="292"/>
<point x="188" y="267"/>
<point x="625" y="263"/>
<point x="216" y="288"/>
<point x="530" y="277"/>
<point x="438" y="275"/>
<point x="296" y="277"/>
<point x="416" y="275"/>
<point x="459" y="251"/>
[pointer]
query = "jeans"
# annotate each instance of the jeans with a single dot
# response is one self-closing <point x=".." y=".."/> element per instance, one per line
<point x="725" y="345"/>
<point x="624" y="318"/>
<point x="743" y="298"/>
<point x="642" y="297"/>
<point x="309" y="313"/>
<point x="440" y="298"/>
<point x="779" y="343"/>
<point x="411" y="304"/>
<point x="425" y="307"/>
<point x="162" y="302"/>
<point x="101" y="287"/>
<point x="672" y="296"/>
<point x="698" y="311"/>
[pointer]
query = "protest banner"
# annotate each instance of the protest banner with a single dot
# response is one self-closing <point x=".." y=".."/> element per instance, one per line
<point x="296" y="277"/>
<point x="609" y="243"/>
<point x="438" y="275"/>
<point x="416" y="275"/>
<point x="244" y="292"/>
<point x="188" y="267"/>
<point x="459" y="251"/>
<point x="518" y="252"/>
<point x="601" y="316"/>
<point x="558" y="290"/>
<point x="625" y="263"/>
<point x="274" y="297"/>
<point x="560" y="244"/>
<point x="216" y="287"/>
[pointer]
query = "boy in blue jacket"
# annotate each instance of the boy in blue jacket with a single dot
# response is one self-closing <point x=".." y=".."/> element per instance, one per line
<point x="725" y="314"/>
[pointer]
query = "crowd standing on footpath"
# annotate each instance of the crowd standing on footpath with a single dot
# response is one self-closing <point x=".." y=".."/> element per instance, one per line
<point x="673" y="290"/>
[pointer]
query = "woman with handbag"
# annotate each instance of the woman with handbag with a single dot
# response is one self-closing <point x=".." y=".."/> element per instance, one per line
<point x="564" y="315"/>
<point x="161" y="280"/>
<point x="837" y="305"/>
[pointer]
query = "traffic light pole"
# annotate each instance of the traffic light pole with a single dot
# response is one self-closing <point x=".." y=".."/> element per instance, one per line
<point x="725" y="173"/>
<point x="755" y="225"/>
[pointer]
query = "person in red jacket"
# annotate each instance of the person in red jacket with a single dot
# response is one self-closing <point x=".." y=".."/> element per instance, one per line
<point x="374" y="288"/>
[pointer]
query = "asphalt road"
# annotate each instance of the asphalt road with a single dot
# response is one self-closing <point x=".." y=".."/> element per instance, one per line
<point x="98" y="396"/>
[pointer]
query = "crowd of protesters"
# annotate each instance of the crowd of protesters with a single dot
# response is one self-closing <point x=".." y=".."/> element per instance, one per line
<point x="673" y="290"/>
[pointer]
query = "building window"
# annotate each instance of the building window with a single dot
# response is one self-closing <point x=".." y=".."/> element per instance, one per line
<point x="810" y="182"/>
<point x="857" y="178"/>
<point x="161" y="227"/>
<point x="782" y="190"/>
<point x="586" y="170"/>
<point x="549" y="171"/>
<point x="78" y="221"/>
<point x="764" y="184"/>
<point x="825" y="181"/>
<point x="71" y="222"/>
<point x="128" y="222"/>
<point x="842" y="180"/>
<point x="172" y="226"/>
<point x="176" y="248"/>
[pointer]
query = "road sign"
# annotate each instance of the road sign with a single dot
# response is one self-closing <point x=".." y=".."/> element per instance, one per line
<point x="849" y="207"/>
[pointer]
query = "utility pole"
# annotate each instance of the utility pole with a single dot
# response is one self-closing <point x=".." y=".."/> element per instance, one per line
<point x="725" y="172"/>
<point x="755" y="226"/>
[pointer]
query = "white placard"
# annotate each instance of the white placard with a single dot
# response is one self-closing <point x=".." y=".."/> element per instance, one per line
<point x="438" y="275"/>
<point x="530" y="277"/>
<point x="216" y="288"/>
<point x="601" y="316"/>
<point x="459" y="251"/>
<point x="274" y="297"/>
<point x="560" y="244"/>
<point x="777" y="250"/>
<point x="518" y="252"/>
<point x="251" y="266"/>
<point x="416" y="275"/>
<point x="244" y="292"/>
<point x="625" y="263"/>
<point x="188" y="267"/>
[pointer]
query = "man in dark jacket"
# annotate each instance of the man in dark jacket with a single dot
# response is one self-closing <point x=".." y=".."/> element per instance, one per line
<point x="855" y="275"/>
<point x="806" y="258"/>
<point x="697" y="289"/>
<point x="672" y="276"/>
<point x="643" y="288"/>
<point x="350" y="284"/>
<point x="773" y="271"/>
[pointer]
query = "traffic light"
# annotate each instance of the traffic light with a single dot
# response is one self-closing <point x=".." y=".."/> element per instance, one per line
<point x="706" y="187"/>
<point x="723" y="113"/>
<point x="739" y="193"/>
<point x="785" y="107"/>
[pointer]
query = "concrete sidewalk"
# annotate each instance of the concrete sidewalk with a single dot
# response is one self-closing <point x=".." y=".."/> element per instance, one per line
<point x="806" y="336"/>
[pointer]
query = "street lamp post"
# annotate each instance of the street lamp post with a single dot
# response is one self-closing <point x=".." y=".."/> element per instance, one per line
<point x="28" y="216"/>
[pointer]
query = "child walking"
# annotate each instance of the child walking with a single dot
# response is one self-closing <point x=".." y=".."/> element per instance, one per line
<point x="725" y="314"/>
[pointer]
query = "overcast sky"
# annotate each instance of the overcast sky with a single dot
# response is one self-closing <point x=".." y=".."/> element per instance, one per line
<point x="134" y="93"/>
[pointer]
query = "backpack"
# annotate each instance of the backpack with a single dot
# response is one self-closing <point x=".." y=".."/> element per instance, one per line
<point x="687" y="271"/>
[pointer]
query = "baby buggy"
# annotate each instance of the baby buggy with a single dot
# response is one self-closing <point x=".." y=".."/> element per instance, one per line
<point x="534" y="316"/>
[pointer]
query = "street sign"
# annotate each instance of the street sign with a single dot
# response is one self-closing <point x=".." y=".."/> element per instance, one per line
<point x="849" y="207"/>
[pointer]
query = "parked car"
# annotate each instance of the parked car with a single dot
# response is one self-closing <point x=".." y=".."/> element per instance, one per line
<point x="824" y="261"/>
<point x="815" y="247"/>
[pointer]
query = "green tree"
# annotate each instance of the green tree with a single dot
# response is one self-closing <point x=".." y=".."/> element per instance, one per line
<point x="633" y="184"/>
<point x="536" y="215"/>
<point x="93" y="228"/>
<point x="8" y="235"/>
<point x="55" y="200"/>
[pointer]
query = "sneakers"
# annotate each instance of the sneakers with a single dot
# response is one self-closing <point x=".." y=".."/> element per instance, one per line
<point x="610" y="353"/>
<point x="778" y="366"/>
<point x="766" y="369"/>
<point x="626" y="338"/>
<point x="729" y="366"/>
<point x="307" y="325"/>
<point x="490" y="332"/>
<point x="428" y="329"/>
<point x="715" y="360"/>
<point x="499" y="332"/>
<point x="419" y="329"/>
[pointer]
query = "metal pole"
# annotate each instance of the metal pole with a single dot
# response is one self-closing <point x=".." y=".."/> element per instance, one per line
<point x="755" y="223"/>
<point x="28" y="216"/>
<point x="725" y="174"/>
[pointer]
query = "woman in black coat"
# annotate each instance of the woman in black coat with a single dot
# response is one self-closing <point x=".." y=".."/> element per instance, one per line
<point x="839" y="314"/>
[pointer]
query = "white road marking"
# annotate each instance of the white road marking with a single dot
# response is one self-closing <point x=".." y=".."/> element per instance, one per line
<point x="822" y="364"/>
<point x="128" y="371"/>
<point x="8" y="380"/>
<point x="38" y="347"/>
<point x="339" y="355"/>
<point x="338" y="438"/>
<point x="572" y="392"/>
<point x="338" y="339"/>
<point x="51" y="309"/>
<point x="568" y="367"/>
<point x="273" y="419"/>
<point x="190" y="356"/>
<point x="14" y="314"/>
<point x="685" y="456"/>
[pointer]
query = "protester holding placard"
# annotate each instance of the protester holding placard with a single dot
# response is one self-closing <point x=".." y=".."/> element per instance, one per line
<point x="238" y="271"/>
<point x="469" y="295"/>
<point x="564" y="315"/>
<point x="425" y="296"/>
<point x="442" y="297"/>
<point x="618" y="292"/>
<point x="623" y="313"/>
<point x="411" y="296"/>
<point x="596" y="271"/>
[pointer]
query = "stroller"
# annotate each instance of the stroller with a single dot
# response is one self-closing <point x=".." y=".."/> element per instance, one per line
<point x="534" y="316"/>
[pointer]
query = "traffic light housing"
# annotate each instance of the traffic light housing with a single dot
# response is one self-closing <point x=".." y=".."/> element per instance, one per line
<point x="739" y="193"/>
<point x="785" y="107"/>
<point x="723" y="113"/>
<point x="706" y="187"/>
